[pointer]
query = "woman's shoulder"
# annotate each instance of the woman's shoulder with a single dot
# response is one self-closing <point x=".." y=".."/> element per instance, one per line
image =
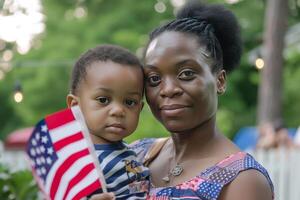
<point x="243" y="177"/>
<point x="230" y="167"/>
<point x="250" y="184"/>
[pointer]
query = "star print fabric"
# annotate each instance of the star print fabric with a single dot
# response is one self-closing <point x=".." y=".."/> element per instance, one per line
<point x="209" y="183"/>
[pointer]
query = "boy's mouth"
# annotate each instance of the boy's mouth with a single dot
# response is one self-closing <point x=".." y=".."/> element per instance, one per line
<point x="115" y="127"/>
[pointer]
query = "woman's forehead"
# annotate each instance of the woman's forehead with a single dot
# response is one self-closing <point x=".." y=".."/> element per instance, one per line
<point x="174" y="45"/>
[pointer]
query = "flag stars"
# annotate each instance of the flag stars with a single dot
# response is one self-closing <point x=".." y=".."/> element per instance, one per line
<point x="43" y="160"/>
<point x="38" y="150"/>
<point x="42" y="149"/>
<point x="37" y="136"/>
<point x="44" y="128"/>
<point x="32" y="152"/>
<point x="50" y="151"/>
<point x="44" y="139"/>
<point x="43" y="170"/>
<point x="38" y="161"/>
<point x="33" y="142"/>
<point x="48" y="160"/>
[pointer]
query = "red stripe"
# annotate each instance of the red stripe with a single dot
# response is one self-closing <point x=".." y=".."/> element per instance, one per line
<point x="59" y="118"/>
<point x="68" y="140"/>
<point x="88" y="190"/>
<point x="83" y="172"/>
<point x="63" y="168"/>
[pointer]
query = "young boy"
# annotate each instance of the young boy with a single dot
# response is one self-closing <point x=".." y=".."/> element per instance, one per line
<point x="107" y="83"/>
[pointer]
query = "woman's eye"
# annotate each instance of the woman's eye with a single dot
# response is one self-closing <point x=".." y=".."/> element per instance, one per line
<point x="153" y="80"/>
<point x="186" y="74"/>
<point x="103" y="100"/>
<point x="130" y="102"/>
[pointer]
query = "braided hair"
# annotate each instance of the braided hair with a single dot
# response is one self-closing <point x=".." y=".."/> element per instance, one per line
<point x="214" y="26"/>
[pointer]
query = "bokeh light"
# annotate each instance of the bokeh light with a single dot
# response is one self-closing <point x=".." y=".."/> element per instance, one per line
<point x="21" y="22"/>
<point x="18" y="97"/>
<point x="7" y="55"/>
<point x="160" y="7"/>
<point x="259" y="63"/>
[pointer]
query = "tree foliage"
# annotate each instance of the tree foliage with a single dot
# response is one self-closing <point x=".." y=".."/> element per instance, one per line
<point x="44" y="72"/>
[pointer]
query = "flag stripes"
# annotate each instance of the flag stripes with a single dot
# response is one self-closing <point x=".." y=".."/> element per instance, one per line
<point x="62" y="158"/>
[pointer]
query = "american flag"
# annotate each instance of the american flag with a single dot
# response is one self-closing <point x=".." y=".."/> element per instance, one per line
<point x="62" y="157"/>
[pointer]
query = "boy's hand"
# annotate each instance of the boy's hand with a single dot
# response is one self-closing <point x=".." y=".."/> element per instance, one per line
<point x="103" y="196"/>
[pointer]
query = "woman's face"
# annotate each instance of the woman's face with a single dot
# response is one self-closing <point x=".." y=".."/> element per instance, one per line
<point x="181" y="89"/>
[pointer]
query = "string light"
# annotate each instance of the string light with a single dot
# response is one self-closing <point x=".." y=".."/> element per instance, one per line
<point x="18" y="97"/>
<point x="18" y="94"/>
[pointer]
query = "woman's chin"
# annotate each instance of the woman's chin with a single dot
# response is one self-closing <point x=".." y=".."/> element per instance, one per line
<point x="175" y="128"/>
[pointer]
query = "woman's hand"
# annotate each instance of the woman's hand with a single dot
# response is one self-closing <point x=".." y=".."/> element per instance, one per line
<point x="103" y="196"/>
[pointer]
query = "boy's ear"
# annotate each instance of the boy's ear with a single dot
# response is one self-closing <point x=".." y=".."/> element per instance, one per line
<point x="71" y="100"/>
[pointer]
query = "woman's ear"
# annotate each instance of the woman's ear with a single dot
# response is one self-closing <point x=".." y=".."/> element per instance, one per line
<point x="221" y="82"/>
<point x="72" y="100"/>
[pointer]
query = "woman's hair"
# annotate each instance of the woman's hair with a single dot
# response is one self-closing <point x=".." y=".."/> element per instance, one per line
<point x="214" y="26"/>
<point x="102" y="53"/>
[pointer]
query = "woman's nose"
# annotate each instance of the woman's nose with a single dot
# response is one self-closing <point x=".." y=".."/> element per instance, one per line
<point x="117" y="110"/>
<point x="170" y="88"/>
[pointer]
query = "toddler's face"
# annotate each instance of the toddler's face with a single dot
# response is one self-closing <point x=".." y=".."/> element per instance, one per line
<point x="110" y="98"/>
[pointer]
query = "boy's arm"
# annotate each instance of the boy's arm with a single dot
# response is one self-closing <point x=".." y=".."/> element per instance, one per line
<point x="103" y="196"/>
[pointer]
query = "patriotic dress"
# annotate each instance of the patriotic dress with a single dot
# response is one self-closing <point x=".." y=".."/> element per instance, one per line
<point x="124" y="175"/>
<point x="209" y="183"/>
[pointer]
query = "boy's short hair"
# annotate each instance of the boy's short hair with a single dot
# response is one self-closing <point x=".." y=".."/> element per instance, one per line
<point x="102" y="53"/>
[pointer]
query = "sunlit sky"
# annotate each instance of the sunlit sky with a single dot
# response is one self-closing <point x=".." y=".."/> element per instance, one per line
<point x="20" y="22"/>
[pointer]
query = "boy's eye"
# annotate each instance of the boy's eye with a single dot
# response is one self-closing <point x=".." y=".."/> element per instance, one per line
<point x="103" y="100"/>
<point x="130" y="102"/>
<point x="186" y="74"/>
<point x="153" y="80"/>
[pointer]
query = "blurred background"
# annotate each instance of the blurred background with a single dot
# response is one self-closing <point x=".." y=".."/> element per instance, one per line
<point x="41" y="40"/>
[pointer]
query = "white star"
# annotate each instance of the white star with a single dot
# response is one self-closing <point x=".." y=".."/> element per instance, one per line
<point x="32" y="152"/>
<point x="44" y="128"/>
<point x="38" y="151"/>
<point x="44" y="139"/>
<point x="43" y="170"/>
<point x="42" y="149"/>
<point x="38" y="162"/>
<point x="37" y="136"/>
<point x="50" y="150"/>
<point x="38" y="171"/>
<point x="48" y="160"/>
<point x="33" y="142"/>
<point x="43" y="161"/>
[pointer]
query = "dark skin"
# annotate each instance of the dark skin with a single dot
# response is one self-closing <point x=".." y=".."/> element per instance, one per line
<point x="182" y="92"/>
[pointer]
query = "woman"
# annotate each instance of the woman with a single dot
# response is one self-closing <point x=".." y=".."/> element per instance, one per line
<point x="185" y="67"/>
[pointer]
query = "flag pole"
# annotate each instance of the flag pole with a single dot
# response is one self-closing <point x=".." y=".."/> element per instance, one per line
<point x="79" y="116"/>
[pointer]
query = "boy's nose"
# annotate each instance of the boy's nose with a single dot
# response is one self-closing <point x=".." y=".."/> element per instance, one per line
<point x="117" y="110"/>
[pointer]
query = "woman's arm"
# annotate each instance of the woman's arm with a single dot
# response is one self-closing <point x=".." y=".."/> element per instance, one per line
<point x="248" y="185"/>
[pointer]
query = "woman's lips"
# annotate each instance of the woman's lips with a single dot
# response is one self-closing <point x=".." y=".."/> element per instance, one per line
<point x="172" y="110"/>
